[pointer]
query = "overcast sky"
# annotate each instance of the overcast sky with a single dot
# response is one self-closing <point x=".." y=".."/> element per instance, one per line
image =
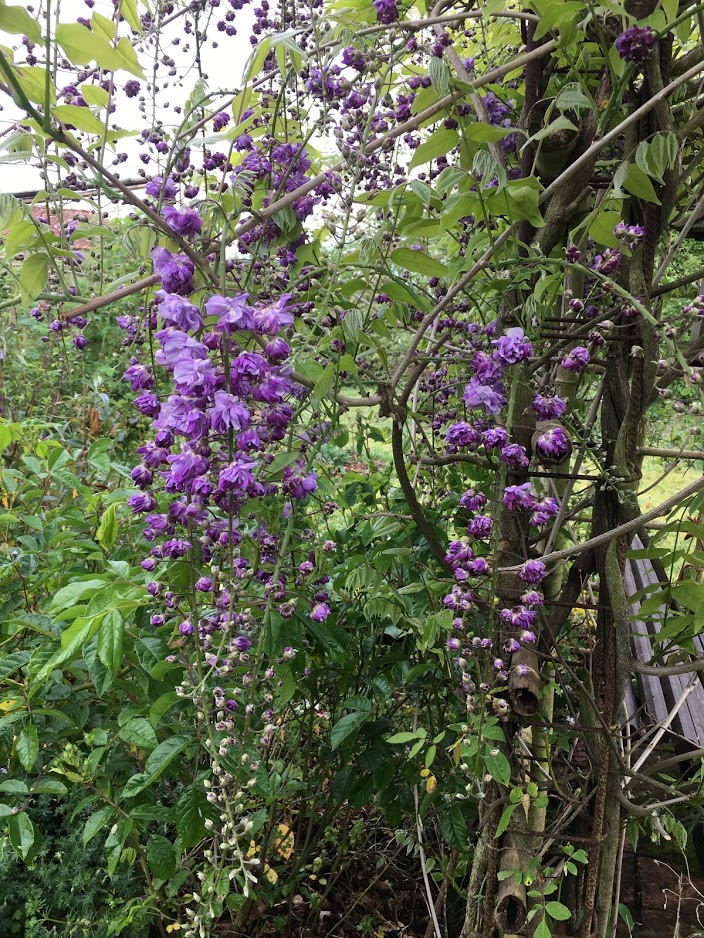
<point x="224" y="67"/>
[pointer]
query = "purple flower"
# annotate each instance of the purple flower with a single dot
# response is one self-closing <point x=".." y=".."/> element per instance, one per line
<point x="176" y="345"/>
<point x="458" y="553"/>
<point x="191" y="374"/>
<point x="320" y="612"/>
<point x="461" y="434"/>
<point x="237" y="475"/>
<point x="543" y="511"/>
<point x="519" y="618"/>
<point x="222" y="119"/>
<point x="232" y="312"/>
<point x="519" y="497"/>
<point x="353" y="58"/>
<point x="186" y="465"/>
<point x="576" y="360"/>
<point x="548" y="408"/>
<point x="141" y="502"/>
<point x="186" y="628"/>
<point x="79" y="341"/>
<point x="630" y="235"/>
<point x="480" y="526"/>
<point x="147" y="404"/>
<point x="494" y="437"/>
<point x="298" y="486"/>
<point x="454" y="644"/>
<point x="278" y="349"/>
<point x="131" y="88"/>
<point x="228" y="413"/>
<point x="553" y="443"/>
<point x="182" y="415"/>
<point x="272" y="318"/>
<point x="533" y="571"/>
<point x="473" y="500"/>
<point x="179" y="312"/>
<point x="489" y="368"/>
<point x="514" y="455"/>
<point x="203" y="584"/>
<point x="138" y="376"/>
<point x="154" y="186"/>
<point x="175" y="270"/>
<point x="478" y="395"/>
<point x="185" y="224"/>
<point x="635" y="43"/>
<point x="386" y="11"/>
<point x="141" y="476"/>
<point x="513" y="347"/>
<point x="478" y="567"/>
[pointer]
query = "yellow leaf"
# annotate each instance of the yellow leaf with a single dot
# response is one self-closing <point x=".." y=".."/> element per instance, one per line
<point x="253" y="849"/>
<point x="284" y="843"/>
<point x="431" y="784"/>
<point x="175" y="927"/>
<point x="424" y="773"/>
<point x="271" y="875"/>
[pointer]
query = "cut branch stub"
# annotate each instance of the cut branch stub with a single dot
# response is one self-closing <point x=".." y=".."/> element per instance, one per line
<point x="524" y="682"/>
<point x="511" y="910"/>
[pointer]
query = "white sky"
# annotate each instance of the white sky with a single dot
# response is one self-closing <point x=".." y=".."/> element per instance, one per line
<point x="224" y="67"/>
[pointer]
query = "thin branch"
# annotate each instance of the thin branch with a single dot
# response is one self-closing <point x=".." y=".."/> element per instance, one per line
<point x="664" y="508"/>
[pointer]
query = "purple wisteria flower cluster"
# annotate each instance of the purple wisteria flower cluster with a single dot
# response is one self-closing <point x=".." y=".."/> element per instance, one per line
<point x="222" y="414"/>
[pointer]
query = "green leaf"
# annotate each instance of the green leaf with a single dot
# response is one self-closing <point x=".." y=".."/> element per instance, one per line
<point x="21" y="832"/>
<point x="96" y="822"/>
<point x="69" y="595"/>
<point x="602" y="229"/>
<point x="453" y="827"/>
<point x="632" y="178"/>
<point x="543" y="930"/>
<point x="161" y="857"/>
<point x="325" y="382"/>
<point x="34" y="276"/>
<point x="345" y="727"/>
<point x="135" y="784"/>
<point x="139" y="732"/>
<point x="76" y="636"/>
<point x="504" y="819"/>
<point x="487" y="133"/>
<point x="657" y="155"/>
<point x="164" y="754"/>
<point x="102" y="26"/>
<point x="402" y="738"/>
<point x="419" y="262"/>
<point x="83" y="46"/>
<point x="10" y="663"/>
<point x="497" y="765"/>
<point x="50" y="786"/>
<point x="558" y="911"/>
<point x="82" y="118"/>
<point x="522" y="197"/>
<point x="191" y="814"/>
<point x="106" y="535"/>
<point x="16" y="20"/>
<point x="438" y="144"/>
<point x="130" y="13"/>
<point x="110" y="637"/>
<point x="161" y="705"/>
<point x="94" y="95"/>
<point x="571" y="97"/>
<point x="28" y="746"/>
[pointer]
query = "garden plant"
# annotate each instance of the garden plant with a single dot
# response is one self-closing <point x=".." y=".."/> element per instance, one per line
<point x="327" y="435"/>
